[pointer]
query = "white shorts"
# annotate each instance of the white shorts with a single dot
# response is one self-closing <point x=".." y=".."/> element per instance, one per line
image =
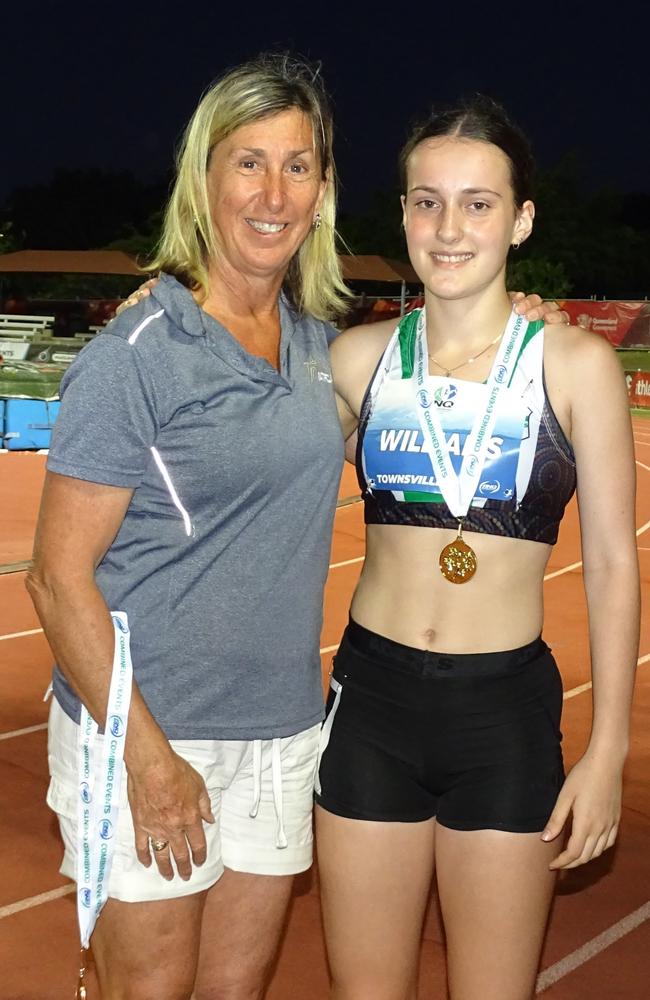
<point x="262" y="797"/>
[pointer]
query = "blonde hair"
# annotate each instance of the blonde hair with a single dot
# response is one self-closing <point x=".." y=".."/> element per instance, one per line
<point x="257" y="89"/>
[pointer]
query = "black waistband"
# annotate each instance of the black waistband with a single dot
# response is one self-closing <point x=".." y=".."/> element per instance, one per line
<point x="383" y="648"/>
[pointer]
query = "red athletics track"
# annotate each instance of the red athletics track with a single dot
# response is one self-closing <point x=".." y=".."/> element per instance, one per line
<point x="598" y="944"/>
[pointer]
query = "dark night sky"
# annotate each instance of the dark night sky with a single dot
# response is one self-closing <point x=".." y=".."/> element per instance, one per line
<point x="112" y="84"/>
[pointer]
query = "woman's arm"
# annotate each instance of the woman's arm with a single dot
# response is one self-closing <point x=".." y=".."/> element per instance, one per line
<point x="77" y="523"/>
<point x="604" y="449"/>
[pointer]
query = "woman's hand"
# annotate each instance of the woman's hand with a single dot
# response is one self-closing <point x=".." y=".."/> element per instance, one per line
<point x="145" y="290"/>
<point x="533" y="308"/>
<point x="592" y="795"/>
<point x="169" y="802"/>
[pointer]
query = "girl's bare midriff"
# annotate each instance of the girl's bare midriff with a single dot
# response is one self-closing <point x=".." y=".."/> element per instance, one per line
<point x="403" y="595"/>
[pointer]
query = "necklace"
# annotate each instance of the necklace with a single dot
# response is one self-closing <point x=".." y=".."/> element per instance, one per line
<point x="467" y="361"/>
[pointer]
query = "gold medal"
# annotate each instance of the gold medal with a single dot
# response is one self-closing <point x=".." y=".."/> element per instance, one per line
<point x="458" y="560"/>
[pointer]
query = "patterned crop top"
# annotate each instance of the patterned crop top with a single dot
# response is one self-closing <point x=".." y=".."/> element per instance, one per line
<point x="529" y="476"/>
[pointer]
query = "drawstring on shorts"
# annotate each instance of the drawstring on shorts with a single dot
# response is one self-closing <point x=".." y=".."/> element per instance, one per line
<point x="276" y="784"/>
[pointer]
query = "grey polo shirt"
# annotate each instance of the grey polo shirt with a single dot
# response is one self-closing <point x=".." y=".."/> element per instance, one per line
<point x="222" y="556"/>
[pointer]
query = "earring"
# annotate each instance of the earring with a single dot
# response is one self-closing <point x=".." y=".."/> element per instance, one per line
<point x="515" y="246"/>
<point x="316" y="224"/>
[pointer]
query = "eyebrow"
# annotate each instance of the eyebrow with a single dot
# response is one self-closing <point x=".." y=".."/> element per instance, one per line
<point x="262" y="152"/>
<point x="433" y="190"/>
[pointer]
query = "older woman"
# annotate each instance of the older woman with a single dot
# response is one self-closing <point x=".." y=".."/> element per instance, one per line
<point x="191" y="486"/>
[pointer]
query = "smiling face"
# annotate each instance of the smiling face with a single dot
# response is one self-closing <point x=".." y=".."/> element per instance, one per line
<point x="460" y="216"/>
<point x="265" y="187"/>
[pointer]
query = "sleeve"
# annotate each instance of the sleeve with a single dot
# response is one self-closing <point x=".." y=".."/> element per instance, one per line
<point x="107" y="422"/>
<point x="331" y="333"/>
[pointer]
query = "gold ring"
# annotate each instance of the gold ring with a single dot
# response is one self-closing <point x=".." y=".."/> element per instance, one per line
<point x="158" y="845"/>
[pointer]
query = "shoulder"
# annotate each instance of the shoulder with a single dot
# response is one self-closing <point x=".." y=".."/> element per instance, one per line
<point x="578" y="357"/>
<point x="355" y="355"/>
<point x="369" y="339"/>
<point x="586" y="384"/>
<point x="131" y="356"/>
<point x="130" y="326"/>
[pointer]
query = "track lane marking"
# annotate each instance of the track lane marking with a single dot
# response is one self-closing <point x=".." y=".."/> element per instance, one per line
<point x="577" y="565"/>
<point x="23" y="732"/>
<point x="592" y="948"/>
<point x="572" y="692"/>
<point x="347" y="562"/>
<point x="42" y="897"/>
<point x="21" y="635"/>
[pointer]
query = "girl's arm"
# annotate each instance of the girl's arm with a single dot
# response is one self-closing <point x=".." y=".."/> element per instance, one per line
<point x="604" y="449"/>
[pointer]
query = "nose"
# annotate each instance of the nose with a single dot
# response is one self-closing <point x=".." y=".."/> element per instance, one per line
<point x="273" y="192"/>
<point x="449" y="225"/>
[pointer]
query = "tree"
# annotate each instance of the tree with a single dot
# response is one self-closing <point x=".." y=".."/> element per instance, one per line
<point x="540" y="275"/>
<point x="83" y="209"/>
<point x="8" y="237"/>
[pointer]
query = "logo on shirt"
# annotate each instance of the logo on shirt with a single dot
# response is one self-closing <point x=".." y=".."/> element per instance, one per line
<point x="487" y="487"/>
<point x="444" y="396"/>
<point x="501" y="374"/>
<point x="106" y="829"/>
<point x="84" y="791"/>
<point x="315" y="373"/>
<point x="84" y="895"/>
<point x="120" y="624"/>
<point x="116" y="726"/>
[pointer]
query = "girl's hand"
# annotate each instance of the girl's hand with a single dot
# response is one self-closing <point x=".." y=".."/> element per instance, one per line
<point x="140" y="293"/>
<point x="592" y="794"/>
<point x="533" y="308"/>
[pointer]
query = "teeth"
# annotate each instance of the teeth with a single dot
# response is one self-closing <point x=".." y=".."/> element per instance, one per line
<point x="266" y="227"/>
<point x="452" y="258"/>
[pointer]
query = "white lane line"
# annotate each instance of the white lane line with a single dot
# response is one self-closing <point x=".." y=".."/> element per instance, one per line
<point x="329" y="649"/>
<point x="572" y="692"/>
<point x="561" y="572"/>
<point x="23" y="732"/>
<point x="347" y="562"/>
<point x="21" y="635"/>
<point x="577" y="565"/>
<point x="646" y="467"/>
<point x="348" y="501"/>
<point x="592" y="948"/>
<point x="43" y="897"/>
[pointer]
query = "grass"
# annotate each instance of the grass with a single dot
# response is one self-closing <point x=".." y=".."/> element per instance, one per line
<point x="633" y="361"/>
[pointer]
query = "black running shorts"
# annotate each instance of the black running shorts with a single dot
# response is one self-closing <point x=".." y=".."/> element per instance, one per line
<point x="472" y="739"/>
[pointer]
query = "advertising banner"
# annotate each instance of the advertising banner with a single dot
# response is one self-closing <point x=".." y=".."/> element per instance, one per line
<point x="624" y="324"/>
<point x="638" y="387"/>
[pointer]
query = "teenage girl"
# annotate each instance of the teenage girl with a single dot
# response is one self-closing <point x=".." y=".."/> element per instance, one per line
<point x="441" y="748"/>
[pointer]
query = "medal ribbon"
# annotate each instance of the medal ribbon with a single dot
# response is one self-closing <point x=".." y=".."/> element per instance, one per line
<point x="99" y="785"/>
<point x="458" y="489"/>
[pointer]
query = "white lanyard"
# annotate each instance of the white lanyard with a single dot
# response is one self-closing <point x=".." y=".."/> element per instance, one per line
<point x="99" y="785"/>
<point x="458" y="489"/>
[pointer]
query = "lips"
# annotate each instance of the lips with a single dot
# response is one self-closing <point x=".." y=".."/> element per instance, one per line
<point x="266" y="228"/>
